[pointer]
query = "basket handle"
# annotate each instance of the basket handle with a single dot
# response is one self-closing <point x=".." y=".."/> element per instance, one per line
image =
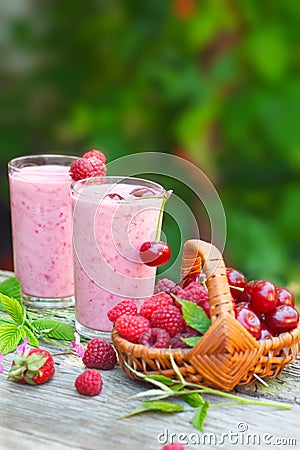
<point x="197" y="253"/>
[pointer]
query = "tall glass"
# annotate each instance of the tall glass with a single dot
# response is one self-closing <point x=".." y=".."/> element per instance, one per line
<point x="109" y="226"/>
<point x="41" y="215"/>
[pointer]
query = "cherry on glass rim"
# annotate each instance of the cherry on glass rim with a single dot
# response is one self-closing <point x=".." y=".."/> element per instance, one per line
<point x="155" y="254"/>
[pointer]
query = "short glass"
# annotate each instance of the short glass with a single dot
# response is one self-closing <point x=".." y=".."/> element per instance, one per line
<point x="41" y="215"/>
<point x="107" y="234"/>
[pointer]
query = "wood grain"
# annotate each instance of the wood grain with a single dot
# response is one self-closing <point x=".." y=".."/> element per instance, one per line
<point x="55" y="416"/>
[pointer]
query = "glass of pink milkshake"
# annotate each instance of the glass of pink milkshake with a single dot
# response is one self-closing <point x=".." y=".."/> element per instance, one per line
<point x="112" y="217"/>
<point x="41" y="215"/>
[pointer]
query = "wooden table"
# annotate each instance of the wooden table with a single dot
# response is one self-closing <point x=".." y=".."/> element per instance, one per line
<point x="55" y="416"/>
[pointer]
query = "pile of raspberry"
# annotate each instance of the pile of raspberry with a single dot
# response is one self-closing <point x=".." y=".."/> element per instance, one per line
<point x="160" y="322"/>
<point x="91" y="164"/>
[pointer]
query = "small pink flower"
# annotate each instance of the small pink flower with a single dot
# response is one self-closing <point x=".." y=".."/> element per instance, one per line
<point x="76" y="346"/>
<point x="23" y="347"/>
<point x="1" y="367"/>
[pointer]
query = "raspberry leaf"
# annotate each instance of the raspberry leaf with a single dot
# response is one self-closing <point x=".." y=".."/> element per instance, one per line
<point x="194" y="315"/>
<point x="11" y="288"/>
<point x="13" y="308"/>
<point x="54" y="329"/>
<point x="32" y="339"/>
<point x="191" y="341"/>
<point x="10" y="336"/>
<point x="200" y="416"/>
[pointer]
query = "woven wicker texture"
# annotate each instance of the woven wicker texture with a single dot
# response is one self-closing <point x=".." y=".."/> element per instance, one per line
<point x="227" y="354"/>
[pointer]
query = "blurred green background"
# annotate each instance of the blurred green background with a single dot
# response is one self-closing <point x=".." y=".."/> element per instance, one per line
<point x="213" y="81"/>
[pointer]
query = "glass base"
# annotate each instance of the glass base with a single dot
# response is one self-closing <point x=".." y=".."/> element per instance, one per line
<point x="41" y="302"/>
<point x="90" y="333"/>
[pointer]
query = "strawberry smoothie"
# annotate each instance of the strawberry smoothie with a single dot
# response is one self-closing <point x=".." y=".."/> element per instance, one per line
<point x="109" y="226"/>
<point x="41" y="216"/>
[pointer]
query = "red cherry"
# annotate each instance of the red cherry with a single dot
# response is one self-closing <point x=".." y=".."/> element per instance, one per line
<point x="265" y="333"/>
<point x="263" y="296"/>
<point x="246" y="295"/>
<point x="284" y="297"/>
<point x="243" y="305"/>
<point x="196" y="276"/>
<point x="155" y="254"/>
<point x="236" y="279"/>
<point x="142" y="192"/>
<point x="115" y="196"/>
<point x="250" y="321"/>
<point x="281" y="319"/>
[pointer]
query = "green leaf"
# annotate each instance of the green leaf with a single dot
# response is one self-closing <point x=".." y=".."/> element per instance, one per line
<point x="12" y="288"/>
<point x="6" y="320"/>
<point x="54" y="329"/>
<point x="166" y="407"/>
<point x="32" y="339"/>
<point x="165" y="380"/>
<point x="10" y="336"/>
<point x="13" y="308"/>
<point x="194" y="315"/>
<point x="193" y="399"/>
<point x="191" y="341"/>
<point x="200" y="416"/>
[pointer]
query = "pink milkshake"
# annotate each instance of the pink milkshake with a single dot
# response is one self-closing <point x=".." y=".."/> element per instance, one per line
<point x="109" y="226"/>
<point x="41" y="216"/>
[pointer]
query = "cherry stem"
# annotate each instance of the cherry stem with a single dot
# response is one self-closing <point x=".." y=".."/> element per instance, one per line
<point x="237" y="288"/>
<point x="160" y="216"/>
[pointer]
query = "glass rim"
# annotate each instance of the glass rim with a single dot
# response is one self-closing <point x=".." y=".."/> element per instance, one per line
<point x="161" y="191"/>
<point x="11" y="164"/>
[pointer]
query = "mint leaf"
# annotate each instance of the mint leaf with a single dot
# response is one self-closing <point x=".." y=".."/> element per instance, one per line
<point x="54" y="329"/>
<point x="194" y="315"/>
<point x="165" y="380"/>
<point x="200" y="416"/>
<point x="193" y="399"/>
<point x="13" y="308"/>
<point x="166" y="407"/>
<point x="11" y="288"/>
<point x="10" y="336"/>
<point x="191" y="341"/>
<point x="32" y="339"/>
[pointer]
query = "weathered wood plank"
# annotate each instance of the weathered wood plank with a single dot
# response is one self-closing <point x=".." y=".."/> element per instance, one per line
<point x="55" y="416"/>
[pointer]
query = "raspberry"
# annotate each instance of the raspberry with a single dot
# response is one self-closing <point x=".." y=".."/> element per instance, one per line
<point x="155" y="337"/>
<point x="164" y="285"/>
<point x="99" y="355"/>
<point x="174" y="446"/>
<point x="131" y="327"/>
<point x="176" y="341"/>
<point x="86" y="168"/>
<point x="89" y="382"/>
<point x="169" y="318"/>
<point x="176" y="290"/>
<point x="127" y="307"/>
<point x="154" y="303"/>
<point x="195" y="293"/>
<point x="95" y="154"/>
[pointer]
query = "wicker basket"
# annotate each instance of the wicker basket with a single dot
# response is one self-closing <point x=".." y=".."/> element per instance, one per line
<point x="227" y="354"/>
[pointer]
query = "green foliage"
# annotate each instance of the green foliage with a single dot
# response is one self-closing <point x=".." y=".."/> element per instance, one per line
<point x="219" y="87"/>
